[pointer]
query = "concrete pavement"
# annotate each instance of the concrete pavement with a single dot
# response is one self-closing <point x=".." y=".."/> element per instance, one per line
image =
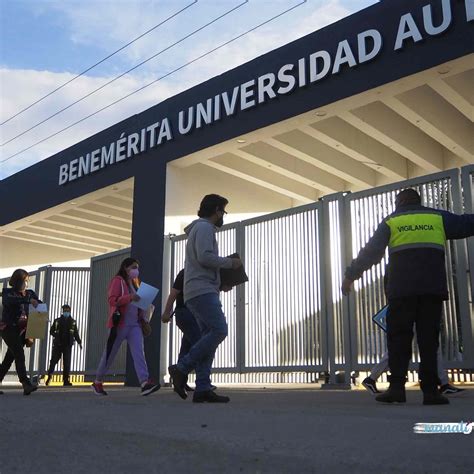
<point x="262" y="430"/>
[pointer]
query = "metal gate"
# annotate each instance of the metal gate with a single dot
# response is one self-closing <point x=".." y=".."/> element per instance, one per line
<point x="67" y="286"/>
<point x="57" y="286"/>
<point x="290" y="320"/>
<point x="103" y="268"/>
<point x="364" y="210"/>
<point x="291" y="317"/>
<point x="275" y="321"/>
<point x="226" y="356"/>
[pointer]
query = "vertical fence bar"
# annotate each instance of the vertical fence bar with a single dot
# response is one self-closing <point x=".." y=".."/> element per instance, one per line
<point x="240" y="329"/>
<point x="467" y="175"/>
<point x="47" y="275"/>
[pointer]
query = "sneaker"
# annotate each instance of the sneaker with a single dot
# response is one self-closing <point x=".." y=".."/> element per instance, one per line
<point x="179" y="381"/>
<point x="392" y="395"/>
<point x="209" y="397"/>
<point x="434" y="398"/>
<point x="370" y="385"/>
<point x="98" y="388"/>
<point x="48" y="380"/>
<point x="29" y="388"/>
<point x="448" y="389"/>
<point x="67" y="384"/>
<point x="149" y="388"/>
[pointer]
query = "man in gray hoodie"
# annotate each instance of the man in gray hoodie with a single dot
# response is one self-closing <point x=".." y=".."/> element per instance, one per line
<point x="201" y="296"/>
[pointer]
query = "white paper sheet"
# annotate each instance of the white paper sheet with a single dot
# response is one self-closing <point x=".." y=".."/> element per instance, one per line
<point x="41" y="308"/>
<point x="147" y="294"/>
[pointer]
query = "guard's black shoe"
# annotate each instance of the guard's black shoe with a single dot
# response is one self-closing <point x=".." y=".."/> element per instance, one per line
<point x="29" y="388"/>
<point x="209" y="397"/>
<point x="1" y="393"/>
<point x="392" y="395"/>
<point x="434" y="398"/>
<point x="178" y="380"/>
<point x="370" y="385"/>
<point x="67" y="384"/>
<point x="48" y="380"/>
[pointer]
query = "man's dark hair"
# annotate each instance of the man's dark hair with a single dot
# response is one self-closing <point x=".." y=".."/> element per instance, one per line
<point x="17" y="279"/>
<point x="65" y="306"/>
<point x="210" y="203"/>
<point x="407" y="197"/>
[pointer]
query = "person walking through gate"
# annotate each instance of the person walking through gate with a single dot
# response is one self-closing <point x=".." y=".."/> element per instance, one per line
<point x="16" y="302"/>
<point x="446" y="388"/>
<point x="201" y="297"/>
<point x="64" y="332"/>
<point x="184" y="319"/>
<point x="124" y="324"/>
<point x="417" y="285"/>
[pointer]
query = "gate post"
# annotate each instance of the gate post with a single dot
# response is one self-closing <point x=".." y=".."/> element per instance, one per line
<point x="461" y="259"/>
<point x="333" y="245"/>
<point x="47" y="275"/>
<point x="149" y="196"/>
<point x="168" y="265"/>
<point x="240" y="302"/>
<point x="466" y="182"/>
<point x="33" y="348"/>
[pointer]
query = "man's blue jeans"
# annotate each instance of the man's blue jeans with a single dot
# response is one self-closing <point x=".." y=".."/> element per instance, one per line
<point x="207" y="310"/>
<point x="190" y="329"/>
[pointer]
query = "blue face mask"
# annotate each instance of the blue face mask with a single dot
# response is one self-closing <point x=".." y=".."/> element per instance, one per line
<point x="66" y="314"/>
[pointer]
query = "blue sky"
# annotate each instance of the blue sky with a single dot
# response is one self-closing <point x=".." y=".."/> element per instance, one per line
<point x="46" y="42"/>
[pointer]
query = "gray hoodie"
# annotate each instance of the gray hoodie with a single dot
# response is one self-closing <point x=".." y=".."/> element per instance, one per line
<point x="202" y="264"/>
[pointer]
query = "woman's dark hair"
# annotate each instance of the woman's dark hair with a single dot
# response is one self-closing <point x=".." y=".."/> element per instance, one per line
<point x="123" y="270"/>
<point x="210" y="203"/>
<point x="17" y="279"/>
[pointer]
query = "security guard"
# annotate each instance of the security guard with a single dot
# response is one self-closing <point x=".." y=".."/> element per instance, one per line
<point x="415" y="236"/>
<point x="64" y="332"/>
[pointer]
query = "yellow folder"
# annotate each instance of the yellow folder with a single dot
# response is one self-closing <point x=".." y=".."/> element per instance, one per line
<point x="37" y="322"/>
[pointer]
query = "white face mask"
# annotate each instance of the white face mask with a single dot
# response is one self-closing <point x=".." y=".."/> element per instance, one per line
<point x="66" y="314"/>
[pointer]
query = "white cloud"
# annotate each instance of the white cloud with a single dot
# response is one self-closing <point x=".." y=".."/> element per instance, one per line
<point x="37" y="83"/>
<point x="87" y="24"/>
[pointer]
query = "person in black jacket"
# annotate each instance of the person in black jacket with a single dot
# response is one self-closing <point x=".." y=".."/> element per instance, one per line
<point x="16" y="302"/>
<point x="64" y="331"/>
<point x="184" y="319"/>
<point x="417" y="285"/>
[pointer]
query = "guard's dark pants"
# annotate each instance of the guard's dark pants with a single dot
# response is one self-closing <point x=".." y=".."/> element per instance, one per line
<point x="57" y="352"/>
<point x="15" y="343"/>
<point x="424" y="311"/>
